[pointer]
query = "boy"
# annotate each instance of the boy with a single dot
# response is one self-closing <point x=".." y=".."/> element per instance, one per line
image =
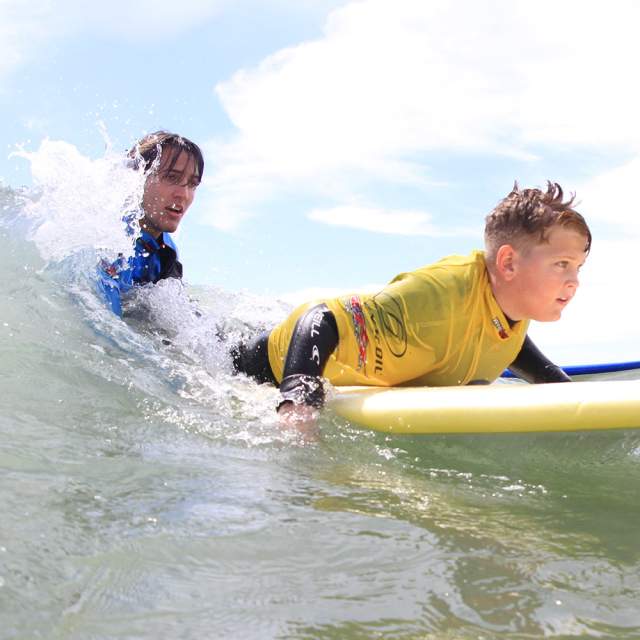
<point x="460" y="321"/>
<point x="175" y="166"/>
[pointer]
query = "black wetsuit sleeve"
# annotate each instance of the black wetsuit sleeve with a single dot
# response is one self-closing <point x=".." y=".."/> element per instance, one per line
<point x="170" y="266"/>
<point x="314" y="339"/>
<point x="533" y="366"/>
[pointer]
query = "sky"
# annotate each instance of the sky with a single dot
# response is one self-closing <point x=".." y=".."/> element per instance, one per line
<point x="348" y="141"/>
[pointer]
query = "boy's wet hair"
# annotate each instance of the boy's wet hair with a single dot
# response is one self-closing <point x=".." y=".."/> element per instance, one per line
<point x="146" y="152"/>
<point x="526" y="216"/>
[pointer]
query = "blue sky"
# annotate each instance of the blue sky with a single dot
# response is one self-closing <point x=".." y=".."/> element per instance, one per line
<point x="348" y="141"/>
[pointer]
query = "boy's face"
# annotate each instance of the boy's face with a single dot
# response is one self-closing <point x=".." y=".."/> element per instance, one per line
<point x="168" y="194"/>
<point x="546" y="276"/>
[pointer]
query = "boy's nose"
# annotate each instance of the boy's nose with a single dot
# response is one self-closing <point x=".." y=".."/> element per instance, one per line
<point x="574" y="280"/>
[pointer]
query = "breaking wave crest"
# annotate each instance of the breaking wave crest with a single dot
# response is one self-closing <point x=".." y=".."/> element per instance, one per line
<point x="169" y="360"/>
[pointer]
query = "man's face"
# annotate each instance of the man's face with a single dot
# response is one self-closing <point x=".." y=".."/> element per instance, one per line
<point x="546" y="276"/>
<point x="169" y="193"/>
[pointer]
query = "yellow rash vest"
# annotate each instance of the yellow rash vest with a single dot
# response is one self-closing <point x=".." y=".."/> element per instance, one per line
<point x="436" y="326"/>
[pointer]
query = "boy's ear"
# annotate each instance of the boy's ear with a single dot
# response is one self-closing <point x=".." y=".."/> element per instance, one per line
<point x="506" y="258"/>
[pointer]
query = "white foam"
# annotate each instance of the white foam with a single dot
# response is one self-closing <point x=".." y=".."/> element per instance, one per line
<point x="80" y="202"/>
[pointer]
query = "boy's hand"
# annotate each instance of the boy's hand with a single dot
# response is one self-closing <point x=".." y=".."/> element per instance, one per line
<point x="299" y="417"/>
<point x="301" y="398"/>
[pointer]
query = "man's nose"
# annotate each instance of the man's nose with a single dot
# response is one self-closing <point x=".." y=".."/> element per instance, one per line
<point x="180" y="190"/>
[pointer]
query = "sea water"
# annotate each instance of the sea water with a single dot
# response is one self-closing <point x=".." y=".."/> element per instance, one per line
<point x="148" y="493"/>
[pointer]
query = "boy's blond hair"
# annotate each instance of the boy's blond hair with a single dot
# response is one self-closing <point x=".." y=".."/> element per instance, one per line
<point x="526" y="216"/>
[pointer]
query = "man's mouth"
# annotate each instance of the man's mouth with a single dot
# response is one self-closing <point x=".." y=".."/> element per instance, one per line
<point x="175" y="209"/>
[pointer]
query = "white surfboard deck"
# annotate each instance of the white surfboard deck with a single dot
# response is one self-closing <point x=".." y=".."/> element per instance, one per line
<point x="495" y="408"/>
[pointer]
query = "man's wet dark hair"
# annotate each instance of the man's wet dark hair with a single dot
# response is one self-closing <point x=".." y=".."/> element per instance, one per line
<point x="149" y="148"/>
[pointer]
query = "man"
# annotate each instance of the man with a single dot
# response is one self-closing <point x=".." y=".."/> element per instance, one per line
<point x="174" y="166"/>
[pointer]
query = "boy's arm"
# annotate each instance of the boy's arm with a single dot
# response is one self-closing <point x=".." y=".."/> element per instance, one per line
<point x="314" y="339"/>
<point x="533" y="366"/>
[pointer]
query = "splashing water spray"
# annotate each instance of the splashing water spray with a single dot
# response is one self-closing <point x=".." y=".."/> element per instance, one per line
<point x="79" y="203"/>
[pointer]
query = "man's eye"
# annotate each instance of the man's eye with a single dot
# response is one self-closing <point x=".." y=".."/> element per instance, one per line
<point x="563" y="264"/>
<point x="171" y="178"/>
<point x="176" y="178"/>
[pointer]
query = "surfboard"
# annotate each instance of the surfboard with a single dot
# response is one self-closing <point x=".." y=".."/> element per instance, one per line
<point x="495" y="408"/>
<point x="592" y="369"/>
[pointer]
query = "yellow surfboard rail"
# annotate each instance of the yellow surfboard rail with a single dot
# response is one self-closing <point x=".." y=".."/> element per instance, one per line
<point x="495" y="408"/>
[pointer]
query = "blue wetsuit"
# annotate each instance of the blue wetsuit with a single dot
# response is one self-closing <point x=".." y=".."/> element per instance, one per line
<point x="154" y="259"/>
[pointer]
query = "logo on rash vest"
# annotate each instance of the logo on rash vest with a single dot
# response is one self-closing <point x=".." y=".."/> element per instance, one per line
<point x="500" y="328"/>
<point x="354" y="308"/>
<point x="115" y="268"/>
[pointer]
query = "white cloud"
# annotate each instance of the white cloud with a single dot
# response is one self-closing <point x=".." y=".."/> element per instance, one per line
<point x="26" y="27"/>
<point x="388" y="82"/>
<point x="398" y="222"/>
<point x="612" y="198"/>
<point x="140" y="20"/>
<point x="21" y="25"/>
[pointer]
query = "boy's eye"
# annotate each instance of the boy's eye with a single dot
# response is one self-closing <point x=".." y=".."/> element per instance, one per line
<point x="563" y="264"/>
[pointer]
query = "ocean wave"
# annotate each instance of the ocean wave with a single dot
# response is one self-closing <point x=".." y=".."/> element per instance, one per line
<point x="168" y="361"/>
